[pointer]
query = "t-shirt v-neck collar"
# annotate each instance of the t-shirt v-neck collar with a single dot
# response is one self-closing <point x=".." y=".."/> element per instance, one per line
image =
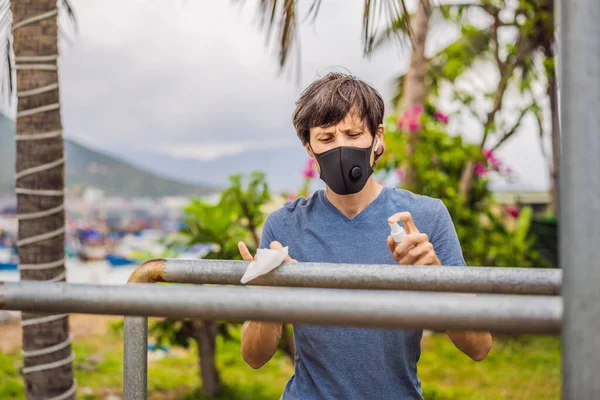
<point x="362" y="215"/>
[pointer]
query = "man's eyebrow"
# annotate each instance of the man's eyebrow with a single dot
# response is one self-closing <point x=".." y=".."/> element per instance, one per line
<point x="353" y="129"/>
<point x="326" y="131"/>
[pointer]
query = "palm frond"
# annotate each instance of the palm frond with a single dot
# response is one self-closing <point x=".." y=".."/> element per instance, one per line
<point x="6" y="56"/>
<point x="282" y="17"/>
<point x="452" y="61"/>
<point x="397" y="30"/>
<point x="397" y="15"/>
<point x="70" y="12"/>
<point x="7" y="84"/>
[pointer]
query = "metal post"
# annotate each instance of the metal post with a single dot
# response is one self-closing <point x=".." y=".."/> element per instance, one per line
<point x="371" y="308"/>
<point x="135" y="358"/>
<point x="135" y="354"/>
<point x="579" y="61"/>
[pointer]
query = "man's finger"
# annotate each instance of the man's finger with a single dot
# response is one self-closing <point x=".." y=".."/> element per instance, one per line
<point x="391" y="244"/>
<point x="417" y="252"/>
<point x="407" y="244"/>
<point x="406" y="218"/>
<point x="428" y="259"/>
<point x="244" y="252"/>
<point x="275" y="245"/>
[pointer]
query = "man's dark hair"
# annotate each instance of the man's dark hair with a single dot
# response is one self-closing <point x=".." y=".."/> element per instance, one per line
<point x="329" y="99"/>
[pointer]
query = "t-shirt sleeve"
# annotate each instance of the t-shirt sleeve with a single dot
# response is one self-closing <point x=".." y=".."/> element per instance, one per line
<point x="268" y="232"/>
<point x="444" y="239"/>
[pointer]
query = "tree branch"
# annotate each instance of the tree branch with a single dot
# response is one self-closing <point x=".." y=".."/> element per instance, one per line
<point x="512" y="130"/>
<point x="506" y="72"/>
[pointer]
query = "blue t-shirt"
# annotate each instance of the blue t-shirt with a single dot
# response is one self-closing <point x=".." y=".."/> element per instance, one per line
<point x="356" y="363"/>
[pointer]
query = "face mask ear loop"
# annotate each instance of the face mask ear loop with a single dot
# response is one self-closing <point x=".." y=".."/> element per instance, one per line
<point x="374" y="149"/>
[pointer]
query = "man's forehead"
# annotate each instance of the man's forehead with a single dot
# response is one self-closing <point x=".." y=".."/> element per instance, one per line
<point x="352" y="120"/>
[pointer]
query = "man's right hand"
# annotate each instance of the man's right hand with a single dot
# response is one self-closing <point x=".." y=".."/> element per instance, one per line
<point x="259" y="338"/>
<point x="275" y="245"/>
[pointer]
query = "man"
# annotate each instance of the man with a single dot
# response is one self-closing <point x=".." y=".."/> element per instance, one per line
<point x="339" y="120"/>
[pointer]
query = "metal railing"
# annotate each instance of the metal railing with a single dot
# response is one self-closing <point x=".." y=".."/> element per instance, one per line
<point x="326" y="294"/>
<point x="401" y="310"/>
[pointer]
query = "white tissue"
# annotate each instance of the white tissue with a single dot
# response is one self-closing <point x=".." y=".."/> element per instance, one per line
<point x="266" y="261"/>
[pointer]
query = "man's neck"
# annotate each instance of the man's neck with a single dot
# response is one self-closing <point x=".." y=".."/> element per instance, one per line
<point x="353" y="204"/>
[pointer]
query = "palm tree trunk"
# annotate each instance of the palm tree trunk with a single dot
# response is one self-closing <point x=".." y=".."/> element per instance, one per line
<point x="414" y="90"/>
<point x="204" y="334"/>
<point x="47" y="350"/>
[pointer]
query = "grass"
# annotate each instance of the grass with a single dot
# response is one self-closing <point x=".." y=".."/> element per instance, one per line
<point x="518" y="367"/>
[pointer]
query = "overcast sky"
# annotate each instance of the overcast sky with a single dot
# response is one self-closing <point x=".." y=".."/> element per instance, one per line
<point x="195" y="79"/>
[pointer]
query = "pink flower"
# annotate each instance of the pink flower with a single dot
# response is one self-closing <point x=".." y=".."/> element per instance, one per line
<point x="409" y="120"/>
<point x="402" y="121"/>
<point x="512" y="211"/>
<point x="400" y="173"/>
<point x="480" y="169"/>
<point x="491" y="157"/>
<point x="443" y="118"/>
<point x="309" y="171"/>
<point x="417" y="110"/>
<point x="292" y="197"/>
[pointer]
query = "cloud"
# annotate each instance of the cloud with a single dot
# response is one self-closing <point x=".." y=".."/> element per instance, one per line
<point x="214" y="150"/>
<point x="194" y="79"/>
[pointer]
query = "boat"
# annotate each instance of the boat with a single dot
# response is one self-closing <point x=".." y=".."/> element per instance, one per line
<point x="116" y="260"/>
<point x="92" y="245"/>
<point x="8" y="259"/>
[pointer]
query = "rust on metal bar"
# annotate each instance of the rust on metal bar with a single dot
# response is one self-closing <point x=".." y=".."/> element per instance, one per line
<point x="149" y="272"/>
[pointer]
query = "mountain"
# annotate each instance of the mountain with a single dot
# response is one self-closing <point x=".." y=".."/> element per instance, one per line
<point x="159" y="174"/>
<point x="283" y="166"/>
<point x="89" y="168"/>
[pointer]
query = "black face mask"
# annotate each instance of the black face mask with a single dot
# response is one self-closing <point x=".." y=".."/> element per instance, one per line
<point x="346" y="169"/>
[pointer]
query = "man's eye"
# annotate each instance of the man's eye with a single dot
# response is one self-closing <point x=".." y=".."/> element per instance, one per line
<point x="325" y="140"/>
<point x="355" y="135"/>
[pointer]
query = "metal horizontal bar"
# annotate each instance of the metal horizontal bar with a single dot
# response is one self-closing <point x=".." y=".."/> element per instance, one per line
<point x="411" y="310"/>
<point x="370" y="276"/>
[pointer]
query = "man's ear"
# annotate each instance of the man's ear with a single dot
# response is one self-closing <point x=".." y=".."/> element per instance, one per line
<point x="309" y="150"/>
<point x="381" y="147"/>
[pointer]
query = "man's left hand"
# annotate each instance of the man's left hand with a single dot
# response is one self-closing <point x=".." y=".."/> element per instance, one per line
<point x="415" y="248"/>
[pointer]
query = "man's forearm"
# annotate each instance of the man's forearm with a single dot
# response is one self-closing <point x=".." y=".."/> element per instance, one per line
<point x="474" y="344"/>
<point x="259" y="341"/>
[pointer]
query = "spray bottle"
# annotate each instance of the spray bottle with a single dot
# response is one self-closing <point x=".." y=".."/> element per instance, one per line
<point x="397" y="232"/>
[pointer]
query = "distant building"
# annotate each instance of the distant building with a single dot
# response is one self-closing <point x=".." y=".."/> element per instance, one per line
<point x="538" y="201"/>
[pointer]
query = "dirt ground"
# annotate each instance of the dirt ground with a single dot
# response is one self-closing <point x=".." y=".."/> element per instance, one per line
<point x="81" y="325"/>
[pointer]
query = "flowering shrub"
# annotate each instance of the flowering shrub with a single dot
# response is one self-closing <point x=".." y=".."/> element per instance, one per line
<point x="440" y="158"/>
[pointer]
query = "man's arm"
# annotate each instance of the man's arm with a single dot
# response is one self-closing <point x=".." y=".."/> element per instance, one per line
<point x="259" y="342"/>
<point x="474" y="344"/>
<point x="260" y="338"/>
<point x="416" y="249"/>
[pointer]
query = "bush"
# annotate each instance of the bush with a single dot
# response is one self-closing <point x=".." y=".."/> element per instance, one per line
<point x="439" y="161"/>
